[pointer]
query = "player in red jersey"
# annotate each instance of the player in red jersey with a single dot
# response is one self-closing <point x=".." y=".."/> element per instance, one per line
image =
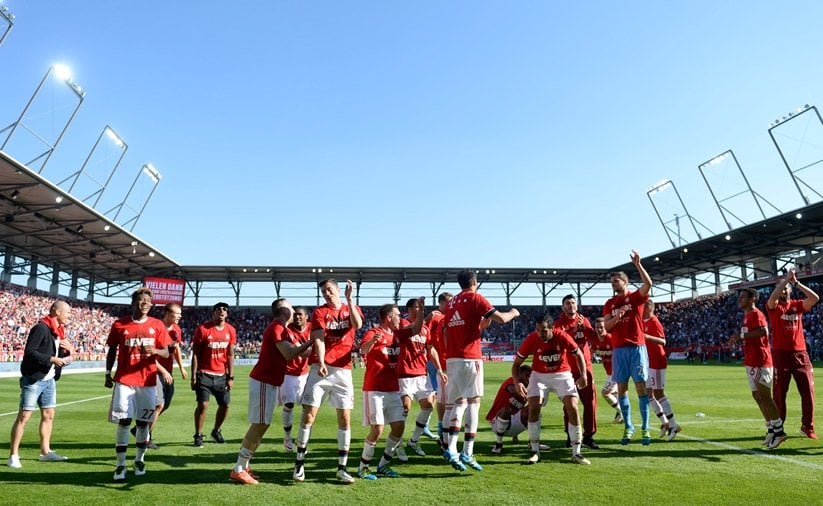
<point x="212" y="371"/>
<point x="265" y="380"/>
<point x="507" y="416"/>
<point x="297" y="371"/>
<point x="333" y="326"/>
<point x="758" y="362"/>
<point x="134" y="341"/>
<point x="623" y="315"/>
<point x="551" y="349"/>
<point x="791" y="359"/>
<point x="602" y="346"/>
<point x="382" y="403"/>
<point x="658" y="362"/>
<point x="580" y="328"/>
<point x="416" y="351"/>
<point x="436" y="325"/>
<point x="165" y="367"/>
<point x="464" y="364"/>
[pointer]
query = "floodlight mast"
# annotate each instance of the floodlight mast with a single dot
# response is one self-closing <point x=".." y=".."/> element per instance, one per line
<point x="664" y="185"/>
<point x="155" y="176"/>
<point x="8" y="19"/>
<point x="793" y="173"/>
<point x="729" y="154"/>
<point x="62" y="73"/>
<point x="109" y="133"/>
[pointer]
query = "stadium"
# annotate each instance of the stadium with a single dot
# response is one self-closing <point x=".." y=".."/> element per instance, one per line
<point x="59" y="243"/>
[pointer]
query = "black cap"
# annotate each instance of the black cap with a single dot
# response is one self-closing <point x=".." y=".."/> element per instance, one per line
<point x="219" y="305"/>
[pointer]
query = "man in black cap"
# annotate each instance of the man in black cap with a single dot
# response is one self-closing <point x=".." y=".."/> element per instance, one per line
<point x="212" y="370"/>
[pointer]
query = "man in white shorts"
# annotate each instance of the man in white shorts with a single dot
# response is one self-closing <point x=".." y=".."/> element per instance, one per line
<point x="551" y="372"/>
<point x="134" y="341"/>
<point x="758" y="361"/>
<point x="381" y="389"/>
<point x="602" y="346"/>
<point x="297" y="372"/>
<point x="416" y="351"/>
<point x="264" y="383"/>
<point x="465" y="314"/>
<point x="333" y="327"/>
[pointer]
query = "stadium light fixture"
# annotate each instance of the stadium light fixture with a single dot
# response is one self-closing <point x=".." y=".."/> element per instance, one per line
<point x="799" y="182"/>
<point x="62" y="74"/>
<point x="8" y="19"/>
<point x="656" y="259"/>
<point x="99" y="188"/>
<point x="728" y="237"/>
<point x="154" y="175"/>
<point x="106" y="227"/>
<point x="798" y="215"/>
<point x="58" y="199"/>
<point x="151" y="254"/>
<point x="15" y="194"/>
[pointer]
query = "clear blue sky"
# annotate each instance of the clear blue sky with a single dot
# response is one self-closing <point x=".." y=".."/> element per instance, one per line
<point x="482" y="134"/>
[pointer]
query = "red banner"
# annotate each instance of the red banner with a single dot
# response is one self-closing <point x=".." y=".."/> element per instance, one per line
<point x="165" y="290"/>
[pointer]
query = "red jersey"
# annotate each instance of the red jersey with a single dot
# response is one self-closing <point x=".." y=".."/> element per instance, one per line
<point x="755" y="351"/>
<point x="413" y="351"/>
<point x="505" y="398"/>
<point x="436" y="324"/>
<point x="175" y="337"/>
<point x="338" y="334"/>
<point x="657" y="352"/>
<point x="629" y="329"/>
<point x="271" y="364"/>
<point x="548" y="357"/>
<point x="581" y="336"/>
<point x="298" y="366"/>
<point x="787" y="326"/>
<point x="135" y="368"/>
<point x="214" y="345"/>
<point x="463" y="315"/>
<point x="604" y="349"/>
<point x="381" y="362"/>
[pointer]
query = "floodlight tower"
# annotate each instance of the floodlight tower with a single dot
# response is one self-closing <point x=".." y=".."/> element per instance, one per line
<point x="714" y="163"/>
<point x="662" y="186"/>
<point x="155" y="177"/>
<point x="800" y="111"/>
<point x="107" y="136"/>
<point x="61" y="73"/>
<point x="8" y="20"/>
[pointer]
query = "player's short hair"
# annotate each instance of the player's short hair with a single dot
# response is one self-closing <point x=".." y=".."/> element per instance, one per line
<point x="546" y="320"/>
<point x="649" y="303"/>
<point x="326" y="281"/>
<point x="410" y="303"/>
<point x="277" y="303"/>
<point x="619" y="274"/>
<point x="385" y="310"/>
<point x="752" y="293"/>
<point x="281" y="311"/>
<point x="567" y="297"/>
<point x="170" y="306"/>
<point x="599" y="319"/>
<point x="466" y="278"/>
<point x="444" y="296"/>
<point x="139" y="292"/>
<point x="524" y="369"/>
<point x="301" y="309"/>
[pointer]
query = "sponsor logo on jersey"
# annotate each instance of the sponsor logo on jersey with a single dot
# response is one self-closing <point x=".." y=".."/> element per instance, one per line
<point x="456" y="320"/>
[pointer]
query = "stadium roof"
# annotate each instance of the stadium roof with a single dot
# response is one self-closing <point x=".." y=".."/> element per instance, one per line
<point x="67" y="234"/>
<point x="72" y="237"/>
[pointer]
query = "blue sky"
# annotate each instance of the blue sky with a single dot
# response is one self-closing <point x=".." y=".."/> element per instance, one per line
<point x="482" y="134"/>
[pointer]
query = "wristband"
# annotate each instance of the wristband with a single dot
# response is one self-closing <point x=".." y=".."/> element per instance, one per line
<point x="108" y="372"/>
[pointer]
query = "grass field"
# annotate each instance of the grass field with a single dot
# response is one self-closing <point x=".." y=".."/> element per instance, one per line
<point x="717" y="459"/>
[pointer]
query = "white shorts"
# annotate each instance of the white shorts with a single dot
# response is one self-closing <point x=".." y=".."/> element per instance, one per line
<point x="337" y="386"/>
<point x="292" y="389"/>
<point x="656" y="379"/>
<point x="136" y="403"/>
<point x="516" y="426"/>
<point x="610" y="387"/>
<point x="262" y="399"/>
<point x="465" y="378"/>
<point x="417" y="387"/>
<point x="561" y="383"/>
<point x="759" y="375"/>
<point x="158" y="392"/>
<point x="382" y="408"/>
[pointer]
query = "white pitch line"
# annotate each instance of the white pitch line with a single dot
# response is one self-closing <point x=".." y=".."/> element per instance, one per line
<point x="66" y="404"/>
<point x="752" y="452"/>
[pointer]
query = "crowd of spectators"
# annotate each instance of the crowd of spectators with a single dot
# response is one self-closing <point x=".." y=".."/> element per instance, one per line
<point x="698" y="327"/>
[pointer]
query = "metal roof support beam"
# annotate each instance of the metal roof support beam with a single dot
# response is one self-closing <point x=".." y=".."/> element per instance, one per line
<point x="90" y="294"/>
<point x="235" y="286"/>
<point x="277" y="285"/>
<point x="397" y="285"/>
<point x="31" y="284"/>
<point x="73" y="286"/>
<point x="55" y="281"/>
<point x="435" y="287"/>
<point x="8" y="263"/>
